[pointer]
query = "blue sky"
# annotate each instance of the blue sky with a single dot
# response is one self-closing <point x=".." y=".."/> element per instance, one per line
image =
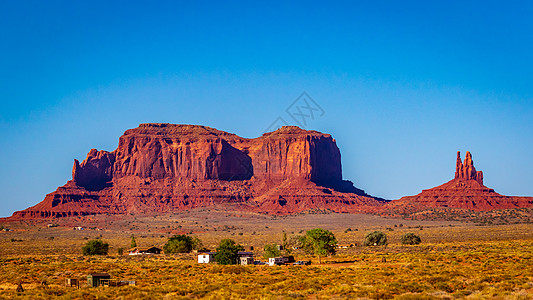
<point x="403" y="85"/>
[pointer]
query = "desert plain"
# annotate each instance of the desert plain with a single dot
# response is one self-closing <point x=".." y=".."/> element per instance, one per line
<point x="456" y="259"/>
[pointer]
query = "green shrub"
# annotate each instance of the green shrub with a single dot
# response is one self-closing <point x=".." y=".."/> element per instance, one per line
<point x="95" y="247"/>
<point x="375" y="238"/>
<point x="133" y="242"/>
<point x="410" y="239"/>
<point x="227" y="252"/>
<point x="271" y="250"/>
<point x="179" y="243"/>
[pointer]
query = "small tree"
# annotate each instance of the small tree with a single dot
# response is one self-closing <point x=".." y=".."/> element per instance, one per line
<point x="285" y="243"/>
<point x="179" y="243"/>
<point x="375" y="238"/>
<point x="133" y="242"/>
<point x="319" y="241"/>
<point x="228" y="252"/>
<point x="271" y="250"/>
<point x="95" y="247"/>
<point x="410" y="239"/>
<point x="120" y="251"/>
<point x="197" y="244"/>
<point x="296" y="242"/>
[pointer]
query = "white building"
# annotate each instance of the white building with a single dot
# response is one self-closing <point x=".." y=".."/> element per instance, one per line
<point x="206" y="257"/>
<point x="273" y="261"/>
<point x="246" y="260"/>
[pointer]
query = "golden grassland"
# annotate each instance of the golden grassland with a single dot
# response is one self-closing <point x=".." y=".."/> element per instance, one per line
<point x="455" y="260"/>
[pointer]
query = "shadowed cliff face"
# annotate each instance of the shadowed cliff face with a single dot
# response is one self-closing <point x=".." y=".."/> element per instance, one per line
<point x="95" y="172"/>
<point x="165" y="167"/>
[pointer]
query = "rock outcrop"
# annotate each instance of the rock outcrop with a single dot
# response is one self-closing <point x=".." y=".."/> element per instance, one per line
<point x="167" y="167"/>
<point x="466" y="170"/>
<point x="465" y="191"/>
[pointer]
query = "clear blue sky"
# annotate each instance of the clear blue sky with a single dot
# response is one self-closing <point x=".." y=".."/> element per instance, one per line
<point x="403" y="84"/>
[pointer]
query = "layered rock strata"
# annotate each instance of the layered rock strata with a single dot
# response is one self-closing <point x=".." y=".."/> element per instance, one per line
<point x="167" y="167"/>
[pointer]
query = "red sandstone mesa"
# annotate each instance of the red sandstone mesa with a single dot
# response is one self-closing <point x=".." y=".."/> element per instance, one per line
<point x="465" y="191"/>
<point x="167" y="167"/>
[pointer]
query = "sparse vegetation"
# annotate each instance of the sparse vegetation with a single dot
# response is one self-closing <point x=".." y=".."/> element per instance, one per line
<point x="455" y="261"/>
<point x="495" y="270"/>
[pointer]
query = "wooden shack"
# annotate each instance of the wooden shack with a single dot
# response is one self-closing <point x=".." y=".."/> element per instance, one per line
<point x="72" y="282"/>
<point x="98" y="279"/>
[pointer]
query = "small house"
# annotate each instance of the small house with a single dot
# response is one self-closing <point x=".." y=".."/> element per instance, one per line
<point x="142" y="251"/>
<point x="246" y="260"/>
<point x="246" y="255"/>
<point x="345" y="246"/>
<point x="98" y="279"/>
<point x="206" y="257"/>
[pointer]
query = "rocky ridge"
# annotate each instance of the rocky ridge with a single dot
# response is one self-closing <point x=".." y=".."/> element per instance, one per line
<point x="160" y="168"/>
<point x="166" y="167"/>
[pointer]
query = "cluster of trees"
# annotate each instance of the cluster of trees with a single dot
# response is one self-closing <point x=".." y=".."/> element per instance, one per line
<point x="175" y="244"/>
<point x="318" y="241"/>
<point x="182" y="243"/>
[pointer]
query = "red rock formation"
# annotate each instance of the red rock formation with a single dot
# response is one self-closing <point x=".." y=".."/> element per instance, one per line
<point x="95" y="172"/>
<point x="166" y="167"/>
<point x="465" y="191"/>
<point x="466" y="170"/>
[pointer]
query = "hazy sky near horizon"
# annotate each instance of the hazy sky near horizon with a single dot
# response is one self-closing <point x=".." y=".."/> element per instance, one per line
<point x="402" y="85"/>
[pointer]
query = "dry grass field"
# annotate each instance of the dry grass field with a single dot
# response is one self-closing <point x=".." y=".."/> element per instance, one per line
<point x="455" y="260"/>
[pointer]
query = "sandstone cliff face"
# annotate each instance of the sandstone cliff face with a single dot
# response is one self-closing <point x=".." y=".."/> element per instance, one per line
<point x="180" y="151"/>
<point x="196" y="152"/>
<point x="294" y="152"/>
<point x="166" y="167"/>
<point x="465" y="191"/>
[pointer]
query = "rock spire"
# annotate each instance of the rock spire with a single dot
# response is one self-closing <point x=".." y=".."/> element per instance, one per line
<point x="466" y="170"/>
